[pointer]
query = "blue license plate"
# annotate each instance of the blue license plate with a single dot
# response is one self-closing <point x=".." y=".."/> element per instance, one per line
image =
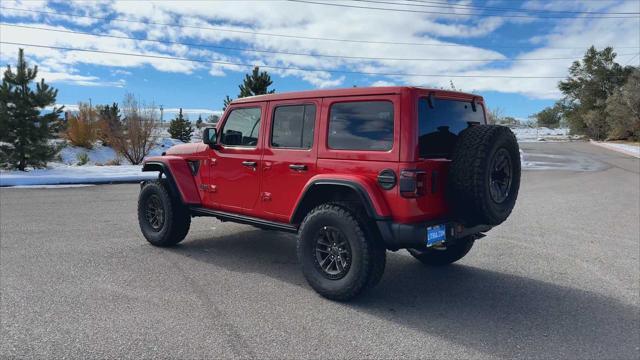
<point x="436" y="234"/>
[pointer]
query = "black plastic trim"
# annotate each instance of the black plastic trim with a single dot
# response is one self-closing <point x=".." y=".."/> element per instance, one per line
<point x="401" y="236"/>
<point x="243" y="219"/>
<point x="163" y="169"/>
<point x="362" y="194"/>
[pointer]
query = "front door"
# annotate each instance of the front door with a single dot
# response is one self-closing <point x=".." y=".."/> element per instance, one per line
<point x="289" y="159"/>
<point x="235" y="166"/>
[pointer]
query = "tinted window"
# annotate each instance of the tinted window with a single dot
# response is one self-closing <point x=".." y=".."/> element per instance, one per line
<point x="440" y="125"/>
<point x="293" y="126"/>
<point x="241" y="128"/>
<point x="363" y="125"/>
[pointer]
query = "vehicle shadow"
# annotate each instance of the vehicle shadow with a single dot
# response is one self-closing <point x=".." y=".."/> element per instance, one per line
<point x="496" y="313"/>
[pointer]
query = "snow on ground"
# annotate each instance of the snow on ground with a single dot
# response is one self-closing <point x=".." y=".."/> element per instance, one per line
<point x="70" y="174"/>
<point x="67" y="170"/>
<point x="543" y="134"/>
<point x="625" y="148"/>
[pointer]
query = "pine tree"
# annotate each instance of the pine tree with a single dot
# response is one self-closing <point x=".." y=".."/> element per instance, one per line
<point x="24" y="132"/>
<point x="227" y="100"/>
<point x="256" y="84"/>
<point x="180" y="128"/>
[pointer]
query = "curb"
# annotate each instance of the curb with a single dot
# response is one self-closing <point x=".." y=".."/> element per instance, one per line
<point x="616" y="149"/>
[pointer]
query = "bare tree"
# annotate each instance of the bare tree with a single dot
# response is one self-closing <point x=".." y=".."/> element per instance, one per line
<point x="135" y="138"/>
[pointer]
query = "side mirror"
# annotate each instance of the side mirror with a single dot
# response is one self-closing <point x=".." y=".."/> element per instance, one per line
<point x="210" y="137"/>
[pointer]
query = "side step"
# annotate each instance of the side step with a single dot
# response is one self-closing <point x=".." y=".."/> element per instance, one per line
<point x="243" y="219"/>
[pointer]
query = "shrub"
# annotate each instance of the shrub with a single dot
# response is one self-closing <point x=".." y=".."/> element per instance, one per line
<point x="134" y="139"/>
<point x="81" y="127"/>
<point x="82" y="158"/>
<point x="113" y="162"/>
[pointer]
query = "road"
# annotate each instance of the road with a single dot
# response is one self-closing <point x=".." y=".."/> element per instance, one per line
<point x="559" y="279"/>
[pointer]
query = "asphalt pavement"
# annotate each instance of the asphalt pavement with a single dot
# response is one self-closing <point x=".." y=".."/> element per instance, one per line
<point x="559" y="279"/>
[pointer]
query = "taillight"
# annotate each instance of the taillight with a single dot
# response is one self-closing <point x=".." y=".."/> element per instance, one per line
<point x="413" y="183"/>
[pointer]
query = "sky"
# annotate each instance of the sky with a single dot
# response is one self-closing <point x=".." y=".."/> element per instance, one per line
<point x="190" y="54"/>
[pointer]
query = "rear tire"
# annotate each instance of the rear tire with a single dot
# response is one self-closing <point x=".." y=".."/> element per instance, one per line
<point x="164" y="221"/>
<point x="442" y="257"/>
<point x="339" y="255"/>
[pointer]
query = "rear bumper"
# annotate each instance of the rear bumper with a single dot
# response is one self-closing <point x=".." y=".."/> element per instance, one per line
<point x="400" y="236"/>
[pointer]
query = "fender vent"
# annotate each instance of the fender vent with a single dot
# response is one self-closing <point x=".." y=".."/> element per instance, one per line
<point x="194" y="165"/>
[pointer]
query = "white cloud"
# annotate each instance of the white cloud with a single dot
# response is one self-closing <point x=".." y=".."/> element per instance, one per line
<point x="295" y="19"/>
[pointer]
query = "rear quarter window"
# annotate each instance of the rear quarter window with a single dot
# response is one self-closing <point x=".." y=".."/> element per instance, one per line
<point x="361" y="125"/>
<point x="439" y="125"/>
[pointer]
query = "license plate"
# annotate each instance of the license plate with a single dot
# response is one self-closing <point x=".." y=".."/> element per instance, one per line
<point x="436" y="234"/>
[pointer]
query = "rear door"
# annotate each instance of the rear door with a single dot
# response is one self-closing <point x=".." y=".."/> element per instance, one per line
<point x="289" y="158"/>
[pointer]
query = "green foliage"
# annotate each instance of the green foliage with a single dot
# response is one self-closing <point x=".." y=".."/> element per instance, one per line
<point x="24" y="132"/>
<point x="590" y="82"/>
<point x="180" y="128"/>
<point x="550" y="116"/>
<point x="227" y="100"/>
<point x="623" y="109"/>
<point x="256" y="83"/>
<point x="82" y="158"/>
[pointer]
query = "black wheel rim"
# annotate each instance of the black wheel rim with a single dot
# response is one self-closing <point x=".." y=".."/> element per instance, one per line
<point x="501" y="176"/>
<point x="332" y="253"/>
<point x="154" y="212"/>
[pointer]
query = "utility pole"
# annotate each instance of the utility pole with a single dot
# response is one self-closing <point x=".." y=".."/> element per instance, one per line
<point x="161" y="115"/>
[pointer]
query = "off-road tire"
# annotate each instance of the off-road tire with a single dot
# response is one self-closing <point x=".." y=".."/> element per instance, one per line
<point x="368" y="255"/>
<point x="177" y="218"/>
<point x="442" y="257"/>
<point x="471" y="170"/>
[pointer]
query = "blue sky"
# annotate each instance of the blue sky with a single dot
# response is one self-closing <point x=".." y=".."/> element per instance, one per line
<point x="503" y="34"/>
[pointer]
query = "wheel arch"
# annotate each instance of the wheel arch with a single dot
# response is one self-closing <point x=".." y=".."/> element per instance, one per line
<point x="342" y="190"/>
<point x="177" y="176"/>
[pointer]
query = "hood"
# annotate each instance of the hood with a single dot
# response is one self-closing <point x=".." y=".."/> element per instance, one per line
<point x="186" y="149"/>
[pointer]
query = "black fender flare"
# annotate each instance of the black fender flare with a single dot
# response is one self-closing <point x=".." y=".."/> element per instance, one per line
<point x="169" y="181"/>
<point x="354" y="186"/>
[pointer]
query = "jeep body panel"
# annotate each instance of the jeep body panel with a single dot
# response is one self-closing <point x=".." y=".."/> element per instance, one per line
<point x="268" y="185"/>
<point x="178" y="174"/>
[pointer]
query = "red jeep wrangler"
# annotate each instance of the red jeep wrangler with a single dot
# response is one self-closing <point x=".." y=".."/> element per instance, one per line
<point x="353" y="172"/>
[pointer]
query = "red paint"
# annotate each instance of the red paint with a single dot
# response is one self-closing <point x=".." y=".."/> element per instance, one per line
<point x="273" y="189"/>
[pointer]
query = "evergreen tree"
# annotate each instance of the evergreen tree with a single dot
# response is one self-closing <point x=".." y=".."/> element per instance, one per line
<point x="590" y="82"/>
<point x="227" y="100"/>
<point x="109" y="121"/>
<point x="180" y="128"/>
<point x="256" y="83"/>
<point x="24" y="132"/>
<point x="199" y="121"/>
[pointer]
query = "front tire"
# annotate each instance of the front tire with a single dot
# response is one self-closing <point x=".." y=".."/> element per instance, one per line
<point x="340" y="255"/>
<point x="164" y="221"/>
<point x="445" y="256"/>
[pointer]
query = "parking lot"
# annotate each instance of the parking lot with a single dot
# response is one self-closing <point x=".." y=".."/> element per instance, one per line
<point x="559" y="279"/>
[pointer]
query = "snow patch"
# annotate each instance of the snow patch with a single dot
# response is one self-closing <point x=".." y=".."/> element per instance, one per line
<point x="543" y="134"/>
<point x="628" y="149"/>
<point x="65" y="174"/>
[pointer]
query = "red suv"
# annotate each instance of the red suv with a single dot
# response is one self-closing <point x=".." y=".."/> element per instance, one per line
<point x="353" y="172"/>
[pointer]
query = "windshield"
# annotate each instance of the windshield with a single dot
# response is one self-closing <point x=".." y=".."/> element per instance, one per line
<point x="441" y="122"/>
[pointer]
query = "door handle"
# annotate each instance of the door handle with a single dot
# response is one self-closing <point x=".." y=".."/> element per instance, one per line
<point x="298" y="167"/>
<point x="249" y="163"/>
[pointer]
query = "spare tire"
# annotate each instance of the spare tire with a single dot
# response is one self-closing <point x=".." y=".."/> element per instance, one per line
<point x="484" y="175"/>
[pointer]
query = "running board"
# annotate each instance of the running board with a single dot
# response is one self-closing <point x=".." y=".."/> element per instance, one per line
<point x="243" y="219"/>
